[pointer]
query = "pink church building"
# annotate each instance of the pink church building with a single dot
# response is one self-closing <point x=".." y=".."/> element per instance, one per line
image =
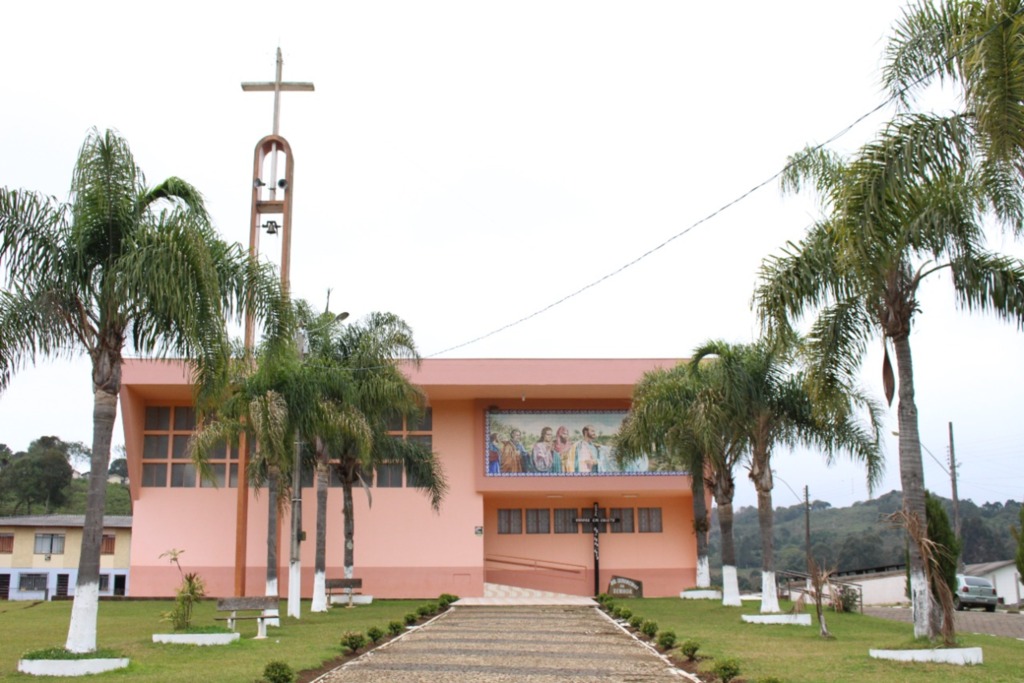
<point x="526" y="449"/>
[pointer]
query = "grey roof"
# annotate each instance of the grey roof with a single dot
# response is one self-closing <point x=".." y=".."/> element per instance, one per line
<point x="109" y="521"/>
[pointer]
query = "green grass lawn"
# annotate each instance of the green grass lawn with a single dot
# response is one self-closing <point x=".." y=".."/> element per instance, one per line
<point x="790" y="653"/>
<point x="797" y="654"/>
<point x="128" y="626"/>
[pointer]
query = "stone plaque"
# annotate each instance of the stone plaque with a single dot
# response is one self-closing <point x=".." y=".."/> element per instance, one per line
<point x="623" y="587"/>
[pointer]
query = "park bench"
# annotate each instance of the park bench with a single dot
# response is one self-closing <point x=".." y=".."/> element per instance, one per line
<point x="254" y="603"/>
<point x="349" y="586"/>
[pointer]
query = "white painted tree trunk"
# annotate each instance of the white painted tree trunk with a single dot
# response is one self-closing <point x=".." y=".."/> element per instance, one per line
<point x="319" y="593"/>
<point x="703" y="572"/>
<point x="272" y="591"/>
<point x="920" y="602"/>
<point x="769" y="594"/>
<point x="730" y="587"/>
<point x="84" y="610"/>
<point x="294" y="588"/>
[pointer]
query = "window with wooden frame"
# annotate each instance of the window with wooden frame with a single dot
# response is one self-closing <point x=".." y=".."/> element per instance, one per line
<point x="165" y="459"/>
<point x="107" y="544"/>
<point x="419" y="430"/>
<point x="6" y="543"/>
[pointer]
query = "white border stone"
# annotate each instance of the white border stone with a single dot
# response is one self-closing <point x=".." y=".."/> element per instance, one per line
<point x="790" y="619"/>
<point x="707" y="594"/>
<point x="69" y="667"/>
<point x="356" y="600"/>
<point x="960" y="656"/>
<point x="196" y="638"/>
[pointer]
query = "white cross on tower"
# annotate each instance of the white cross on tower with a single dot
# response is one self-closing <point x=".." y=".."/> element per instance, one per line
<point x="277" y="86"/>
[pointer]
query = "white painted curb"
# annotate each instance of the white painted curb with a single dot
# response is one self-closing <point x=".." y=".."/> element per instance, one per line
<point x="791" y="619"/>
<point x="196" y="638"/>
<point x="701" y="595"/>
<point x="959" y="655"/>
<point x="69" y="667"/>
<point x="356" y="600"/>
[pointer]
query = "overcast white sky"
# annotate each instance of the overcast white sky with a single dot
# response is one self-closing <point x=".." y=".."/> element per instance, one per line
<point x="466" y="164"/>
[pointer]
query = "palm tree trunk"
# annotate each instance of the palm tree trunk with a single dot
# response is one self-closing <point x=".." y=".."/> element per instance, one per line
<point x="724" y="491"/>
<point x="761" y="475"/>
<point x="700" y="528"/>
<point x="273" y="477"/>
<point x="912" y="481"/>
<point x="320" y="563"/>
<point x="84" y="610"/>
<point x="350" y="527"/>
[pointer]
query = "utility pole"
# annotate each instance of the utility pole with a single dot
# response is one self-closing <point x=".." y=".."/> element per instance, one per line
<point x="807" y="533"/>
<point x="956" y="499"/>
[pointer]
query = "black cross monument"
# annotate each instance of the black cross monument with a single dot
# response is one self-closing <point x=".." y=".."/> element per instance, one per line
<point x="596" y="520"/>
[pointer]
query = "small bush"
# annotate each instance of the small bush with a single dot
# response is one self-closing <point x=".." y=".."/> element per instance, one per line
<point x="278" y="672"/>
<point x="649" y="628"/>
<point x="374" y="633"/>
<point x="602" y="598"/>
<point x="726" y="669"/>
<point x="396" y="627"/>
<point x="609" y="605"/>
<point x="353" y="640"/>
<point x="446" y="599"/>
<point x="636" y="621"/>
<point x="411" y="618"/>
<point x="847" y="599"/>
<point x="433" y="607"/>
<point x="617" y="612"/>
<point x="423" y="611"/>
<point x="689" y="649"/>
<point x="666" y="639"/>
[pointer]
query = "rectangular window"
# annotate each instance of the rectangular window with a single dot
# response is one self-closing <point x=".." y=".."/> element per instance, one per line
<point x="32" y="582"/>
<point x="183" y="475"/>
<point x="6" y="543"/>
<point x="510" y="521"/>
<point x="588" y="528"/>
<point x="565" y="521"/>
<point x="649" y="520"/>
<point x="154" y="474"/>
<point x="104" y="583"/>
<point x="625" y="523"/>
<point x="217" y="469"/>
<point x="423" y="424"/>
<point x="389" y="475"/>
<point x="49" y="544"/>
<point x="538" y="521"/>
<point x="154" y="447"/>
<point x="107" y="545"/>
<point x="158" y="418"/>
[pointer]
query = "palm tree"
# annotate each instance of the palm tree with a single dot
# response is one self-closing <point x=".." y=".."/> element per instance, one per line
<point x="677" y="413"/>
<point x="371" y="351"/>
<point x="121" y="264"/>
<point x="657" y="424"/>
<point x="904" y="207"/>
<point x="975" y="45"/>
<point x="774" y="407"/>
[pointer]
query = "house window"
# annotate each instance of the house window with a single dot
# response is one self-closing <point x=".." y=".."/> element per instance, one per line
<point x="107" y="545"/>
<point x="32" y="582"/>
<point x="565" y="521"/>
<point x="49" y="544"/>
<point x="6" y="543"/>
<point x="538" y="521"/>
<point x="104" y="583"/>
<point x="624" y="525"/>
<point x="417" y="430"/>
<point x="389" y="475"/>
<point x="510" y="521"/>
<point x="165" y="457"/>
<point x="649" y="520"/>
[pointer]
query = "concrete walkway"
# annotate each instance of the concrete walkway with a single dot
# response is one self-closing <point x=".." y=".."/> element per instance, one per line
<point x="540" y="643"/>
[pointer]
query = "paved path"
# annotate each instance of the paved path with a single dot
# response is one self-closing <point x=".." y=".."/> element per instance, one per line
<point x="539" y="644"/>
<point x="968" y="621"/>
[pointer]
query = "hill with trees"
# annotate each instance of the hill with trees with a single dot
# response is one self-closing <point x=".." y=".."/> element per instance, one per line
<point x="861" y="536"/>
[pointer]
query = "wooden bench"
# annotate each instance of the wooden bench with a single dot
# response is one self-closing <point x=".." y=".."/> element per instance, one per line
<point x="349" y="586"/>
<point x="249" y="604"/>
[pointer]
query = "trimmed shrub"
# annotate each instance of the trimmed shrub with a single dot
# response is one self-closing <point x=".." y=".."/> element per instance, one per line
<point x="395" y="628"/>
<point x="423" y="611"/>
<point x="666" y="639"/>
<point x="602" y="598"/>
<point x="446" y="599"/>
<point x="636" y="621"/>
<point x="353" y="640"/>
<point x="625" y="613"/>
<point x="278" y="672"/>
<point x="726" y="669"/>
<point x="689" y="649"/>
<point x="374" y="633"/>
<point x="411" y="618"/>
<point x="649" y="628"/>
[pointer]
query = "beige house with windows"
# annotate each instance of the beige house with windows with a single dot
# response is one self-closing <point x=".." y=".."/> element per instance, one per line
<point x="39" y="556"/>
